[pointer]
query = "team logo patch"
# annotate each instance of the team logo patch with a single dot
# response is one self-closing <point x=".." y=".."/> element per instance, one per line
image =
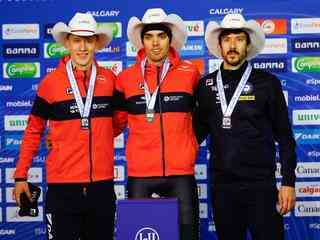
<point x="248" y="88"/>
<point x="101" y="78"/>
<point x="69" y="91"/>
<point x="141" y="85"/>
<point x="247" y="98"/>
<point x="209" y="82"/>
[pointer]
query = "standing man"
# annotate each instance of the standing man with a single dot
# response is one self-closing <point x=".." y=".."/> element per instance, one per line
<point x="245" y="113"/>
<point x="76" y="101"/>
<point x="158" y="93"/>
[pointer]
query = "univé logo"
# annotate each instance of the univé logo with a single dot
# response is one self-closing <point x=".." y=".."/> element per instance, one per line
<point x="21" y="70"/>
<point x="195" y="28"/>
<point x="147" y="234"/>
<point x="15" y="122"/>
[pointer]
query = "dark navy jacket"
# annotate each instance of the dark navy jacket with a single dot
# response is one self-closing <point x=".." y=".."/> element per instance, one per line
<point x="246" y="153"/>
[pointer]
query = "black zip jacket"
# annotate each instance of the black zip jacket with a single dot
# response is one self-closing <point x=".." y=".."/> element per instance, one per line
<point x="246" y="153"/>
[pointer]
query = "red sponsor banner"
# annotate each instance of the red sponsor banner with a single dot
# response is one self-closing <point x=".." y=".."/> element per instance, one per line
<point x="274" y="26"/>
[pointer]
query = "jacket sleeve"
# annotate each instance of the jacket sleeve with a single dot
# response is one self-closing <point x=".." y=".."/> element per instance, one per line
<point x="200" y="125"/>
<point x="40" y="113"/>
<point x="120" y="115"/>
<point x="282" y="132"/>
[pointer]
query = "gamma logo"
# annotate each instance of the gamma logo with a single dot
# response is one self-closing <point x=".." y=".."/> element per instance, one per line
<point x="21" y="70"/>
<point x="20" y="50"/>
<point x="272" y="64"/>
<point x="54" y="50"/>
<point x="147" y="234"/>
<point x="306" y="45"/>
<point x="116" y="28"/>
<point x="306" y="64"/>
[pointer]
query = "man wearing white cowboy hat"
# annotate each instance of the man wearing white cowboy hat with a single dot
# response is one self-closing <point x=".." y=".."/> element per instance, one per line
<point x="158" y="95"/>
<point x="76" y="101"/>
<point x="244" y="112"/>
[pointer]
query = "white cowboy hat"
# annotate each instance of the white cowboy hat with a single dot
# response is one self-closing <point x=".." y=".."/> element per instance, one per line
<point x="157" y="15"/>
<point x="235" y="21"/>
<point x="82" y="24"/>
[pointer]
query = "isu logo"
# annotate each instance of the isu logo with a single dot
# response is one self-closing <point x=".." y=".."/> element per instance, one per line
<point x="147" y="234"/>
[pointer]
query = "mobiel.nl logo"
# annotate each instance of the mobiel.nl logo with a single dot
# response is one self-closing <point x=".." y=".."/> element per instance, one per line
<point x="306" y="64"/>
<point x="54" y="50"/>
<point x="21" y="70"/>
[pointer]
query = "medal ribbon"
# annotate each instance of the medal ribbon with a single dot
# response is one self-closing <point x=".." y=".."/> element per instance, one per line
<point x="84" y="109"/>
<point x="228" y="109"/>
<point x="151" y="99"/>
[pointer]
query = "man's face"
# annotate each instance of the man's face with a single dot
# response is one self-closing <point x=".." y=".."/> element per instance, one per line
<point x="234" y="48"/>
<point x="81" y="50"/>
<point x="156" y="44"/>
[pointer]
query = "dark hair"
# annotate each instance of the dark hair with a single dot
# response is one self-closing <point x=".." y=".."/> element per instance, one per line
<point x="236" y="31"/>
<point x="156" y="26"/>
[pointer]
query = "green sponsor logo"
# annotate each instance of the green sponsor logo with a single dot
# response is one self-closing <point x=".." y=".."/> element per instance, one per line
<point x="114" y="26"/>
<point x="22" y="70"/>
<point x="18" y="123"/>
<point x="307" y="64"/>
<point x="56" y="50"/>
<point x="309" y="117"/>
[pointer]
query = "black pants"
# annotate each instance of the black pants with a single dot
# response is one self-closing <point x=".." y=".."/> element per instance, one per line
<point x="85" y="210"/>
<point x="182" y="187"/>
<point x="238" y="208"/>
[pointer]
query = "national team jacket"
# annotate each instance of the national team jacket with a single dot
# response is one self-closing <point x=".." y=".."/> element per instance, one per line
<point x="77" y="155"/>
<point x="166" y="146"/>
<point x="246" y="153"/>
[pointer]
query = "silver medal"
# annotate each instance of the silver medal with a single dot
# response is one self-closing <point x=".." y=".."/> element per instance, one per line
<point x="227" y="109"/>
<point x="85" y="123"/>
<point x="149" y="115"/>
<point x="226" y="122"/>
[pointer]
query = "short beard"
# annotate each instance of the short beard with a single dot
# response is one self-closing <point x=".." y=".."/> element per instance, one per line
<point x="236" y="63"/>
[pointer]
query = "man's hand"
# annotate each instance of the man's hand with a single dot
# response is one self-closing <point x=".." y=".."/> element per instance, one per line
<point x="20" y="188"/>
<point x="287" y="199"/>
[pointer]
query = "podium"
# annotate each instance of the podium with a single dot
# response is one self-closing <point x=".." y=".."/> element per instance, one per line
<point x="147" y="219"/>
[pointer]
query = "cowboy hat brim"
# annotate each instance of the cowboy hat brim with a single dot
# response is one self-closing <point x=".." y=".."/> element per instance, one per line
<point x="61" y="30"/>
<point x="173" y="21"/>
<point x="257" y="38"/>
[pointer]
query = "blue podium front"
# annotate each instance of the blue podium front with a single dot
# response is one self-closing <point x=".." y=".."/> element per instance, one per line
<point x="147" y="219"/>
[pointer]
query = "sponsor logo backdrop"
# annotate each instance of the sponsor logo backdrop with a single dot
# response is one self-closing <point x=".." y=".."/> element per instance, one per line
<point x="28" y="52"/>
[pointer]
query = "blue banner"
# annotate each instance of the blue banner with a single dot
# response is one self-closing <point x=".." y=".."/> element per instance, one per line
<point x="28" y="53"/>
